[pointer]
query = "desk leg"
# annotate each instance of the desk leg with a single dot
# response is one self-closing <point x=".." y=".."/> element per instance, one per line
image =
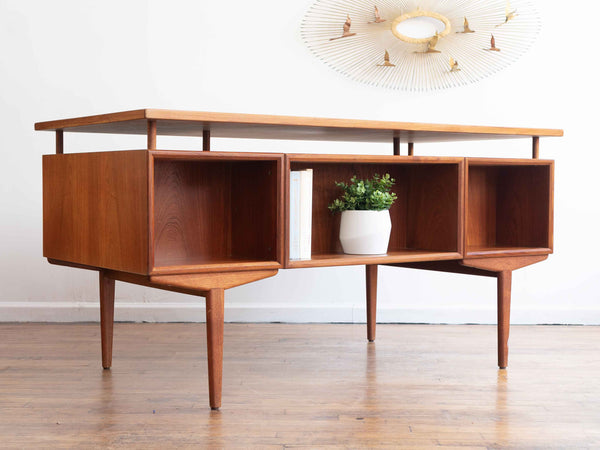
<point x="504" y="287"/>
<point x="107" y="316"/>
<point x="215" y="302"/>
<point x="371" y="272"/>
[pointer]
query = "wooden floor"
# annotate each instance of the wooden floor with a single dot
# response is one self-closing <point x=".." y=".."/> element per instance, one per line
<point x="299" y="385"/>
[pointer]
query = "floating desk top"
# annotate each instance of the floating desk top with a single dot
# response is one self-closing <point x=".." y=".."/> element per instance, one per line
<point x="226" y="125"/>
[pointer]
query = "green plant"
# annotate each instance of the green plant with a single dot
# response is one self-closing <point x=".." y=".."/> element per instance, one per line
<point x="374" y="194"/>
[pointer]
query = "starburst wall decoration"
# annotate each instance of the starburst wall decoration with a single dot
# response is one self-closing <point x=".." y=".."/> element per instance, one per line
<point x="420" y="45"/>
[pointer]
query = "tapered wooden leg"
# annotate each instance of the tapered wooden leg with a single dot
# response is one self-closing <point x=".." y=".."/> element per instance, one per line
<point x="215" y="302"/>
<point x="504" y="287"/>
<point x="107" y="316"/>
<point x="371" y="273"/>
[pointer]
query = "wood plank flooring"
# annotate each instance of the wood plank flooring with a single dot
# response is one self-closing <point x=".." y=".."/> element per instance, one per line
<point x="311" y="386"/>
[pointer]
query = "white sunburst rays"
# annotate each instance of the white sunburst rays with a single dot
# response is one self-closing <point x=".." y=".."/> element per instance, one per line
<point x="361" y="55"/>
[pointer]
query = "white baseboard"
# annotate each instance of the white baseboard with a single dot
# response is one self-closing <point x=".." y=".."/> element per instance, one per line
<point x="248" y="312"/>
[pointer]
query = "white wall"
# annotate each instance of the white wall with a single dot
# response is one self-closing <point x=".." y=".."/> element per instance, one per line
<point x="67" y="58"/>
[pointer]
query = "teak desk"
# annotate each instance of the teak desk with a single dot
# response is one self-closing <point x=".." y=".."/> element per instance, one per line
<point x="203" y="222"/>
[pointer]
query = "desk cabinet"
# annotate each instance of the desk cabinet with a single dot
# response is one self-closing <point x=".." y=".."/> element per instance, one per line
<point x="203" y="222"/>
<point x="151" y="213"/>
<point x="509" y="207"/>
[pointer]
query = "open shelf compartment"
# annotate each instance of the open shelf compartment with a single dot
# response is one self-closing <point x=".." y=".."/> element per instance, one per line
<point x="215" y="211"/>
<point x="426" y="217"/>
<point x="509" y="207"/>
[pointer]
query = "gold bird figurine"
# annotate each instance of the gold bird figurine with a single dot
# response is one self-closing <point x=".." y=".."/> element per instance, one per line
<point x="454" y="65"/>
<point x="378" y="18"/>
<point x="386" y="61"/>
<point x="509" y="13"/>
<point x="493" y="47"/>
<point x="346" y="33"/>
<point x="466" y="28"/>
<point x="432" y="43"/>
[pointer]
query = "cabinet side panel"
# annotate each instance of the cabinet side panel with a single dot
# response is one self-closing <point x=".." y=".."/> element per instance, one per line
<point x="192" y="212"/>
<point x="523" y="206"/>
<point x="551" y="206"/>
<point x="254" y="210"/>
<point x="433" y="208"/>
<point x="481" y="207"/>
<point x="96" y="209"/>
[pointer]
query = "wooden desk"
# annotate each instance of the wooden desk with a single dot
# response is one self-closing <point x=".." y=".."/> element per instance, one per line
<point x="203" y="222"/>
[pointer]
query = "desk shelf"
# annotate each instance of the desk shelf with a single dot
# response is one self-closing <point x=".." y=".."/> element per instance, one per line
<point x="215" y="211"/>
<point x="426" y="217"/>
<point x="397" y="256"/>
<point x="509" y="207"/>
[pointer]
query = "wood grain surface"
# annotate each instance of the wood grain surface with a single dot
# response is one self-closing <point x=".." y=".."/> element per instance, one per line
<point x="107" y="317"/>
<point x="399" y="256"/>
<point x="501" y="264"/>
<point x="503" y="313"/>
<point x="215" y="313"/>
<point x="208" y="281"/>
<point x="195" y="123"/>
<point x="96" y="209"/>
<point x="305" y="386"/>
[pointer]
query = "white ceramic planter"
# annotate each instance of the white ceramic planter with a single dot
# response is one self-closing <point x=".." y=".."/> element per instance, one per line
<point x="365" y="232"/>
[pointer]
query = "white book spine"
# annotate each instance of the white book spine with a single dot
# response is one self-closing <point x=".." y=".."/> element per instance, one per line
<point x="306" y="191"/>
<point x="295" y="214"/>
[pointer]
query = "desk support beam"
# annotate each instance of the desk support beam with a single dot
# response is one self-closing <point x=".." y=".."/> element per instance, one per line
<point x="215" y="304"/>
<point x="107" y="316"/>
<point x="396" y="146"/>
<point x="209" y="285"/>
<point x="60" y="147"/>
<point x="504" y="288"/>
<point x="215" y="314"/>
<point x="152" y="135"/>
<point x="501" y="268"/>
<point x="206" y="140"/>
<point x="535" y="148"/>
<point x="371" y="275"/>
<point x="411" y="149"/>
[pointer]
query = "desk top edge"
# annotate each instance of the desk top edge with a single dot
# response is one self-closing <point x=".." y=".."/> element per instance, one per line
<point x="175" y="122"/>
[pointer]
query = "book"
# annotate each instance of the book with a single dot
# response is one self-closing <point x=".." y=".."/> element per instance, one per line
<point x="295" y="214"/>
<point x="301" y="213"/>
<point x="306" y="183"/>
